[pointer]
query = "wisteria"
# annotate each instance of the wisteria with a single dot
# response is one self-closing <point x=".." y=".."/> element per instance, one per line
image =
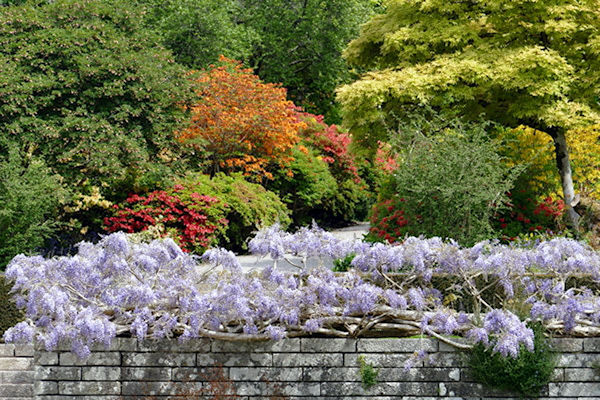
<point x="121" y="286"/>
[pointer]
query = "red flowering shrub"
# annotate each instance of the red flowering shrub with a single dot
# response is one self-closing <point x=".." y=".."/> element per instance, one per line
<point x="388" y="221"/>
<point x="191" y="219"/>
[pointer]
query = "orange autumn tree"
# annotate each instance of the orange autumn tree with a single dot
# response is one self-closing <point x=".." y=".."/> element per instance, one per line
<point x="241" y="122"/>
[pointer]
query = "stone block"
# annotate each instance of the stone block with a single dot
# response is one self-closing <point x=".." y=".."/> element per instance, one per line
<point x="45" y="358"/>
<point x="380" y="360"/>
<point x="146" y="374"/>
<point x="574" y="389"/>
<point x="15" y="390"/>
<point x="275" y="346"/>
<point x="16" y="364"/>
<point x="175" y="346"/>
<point x="308" y="360"/>
<point x="89" y="388"/>
<point x="327" y="345"/>
<point x="265" y="374"/>
<point x="50" y="373"/>
<point x="567" y="345"/>
<point x="159" y="359"/>
<point x="448" y="359"/>
<point x="24" y="350"/>
<point x="379" y="389"/>
<point x="576" y="360"/>
<point x="100" y="373"/>
<point x="199" y="374"/>
<point x="591" y="345"/>
<point x="142" y="389"/>
<point x="103" y="358"/>
<point x="16" y="377"/>
<point x="45" y="387"/>
<point x="7" y="350"/>
<point x="236" y="359"/>
<point x="476" y="390"/>
<point x="582" y="375"/>
<point x="399" y="345"/>
<point x="267" y="390"/>
<point x="332" y="374"/>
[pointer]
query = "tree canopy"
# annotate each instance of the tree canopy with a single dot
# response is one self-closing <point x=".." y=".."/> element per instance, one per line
<point x="516" y="62"/>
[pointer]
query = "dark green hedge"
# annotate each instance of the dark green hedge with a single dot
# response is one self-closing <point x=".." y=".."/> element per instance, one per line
<point x="9" y="314"/>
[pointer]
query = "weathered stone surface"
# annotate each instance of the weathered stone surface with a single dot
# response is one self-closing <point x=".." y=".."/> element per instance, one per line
<point x="280" y="346"/>
<point x="16" y="377"/>
<point x="380" y="389"/>
<point x="100" y="373"/>
<point x="567" y="345"/>
<point x="15" y="390"/>
<point x="50" y="373"/>
<point x="175" y="346"/>
<point x="104" y="358"/>
<point x="90" y="388"/>
<point x="327" y="345"/>
<point x="469" y="389"/>
<point x="574" y="389"/>
<point x="161" y="388"/>
<point x="572" y="360"/>
<point x="308" y="360"/>
<point x="449" y="359"/>
<point x="7" y="350"/>
<point x="236" y="359"/>
<point x="591" y="345"/>
<point x="400" y="345"/>
<point x="15" y="364"/>
<point x="582" y="375"/>
<point x="146" y="374"/>
<point x="379" y="360"/>
<point x="45" y="387"/>
<point x="159" y="359"/>
<point x="262" y="374"/>
<point x="278" y="389"/>
<point x="45" y="358"/>
<point x="191" y="374"/>
<point x="24" y="350"/>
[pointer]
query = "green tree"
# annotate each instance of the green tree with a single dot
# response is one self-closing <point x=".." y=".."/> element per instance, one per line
<point x="516" y="62"/>
<point x="85" y="86"/>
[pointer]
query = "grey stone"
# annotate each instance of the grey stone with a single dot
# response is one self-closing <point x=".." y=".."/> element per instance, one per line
<point x="379" y="389"/>
<point x="126" y="344"/>
<point x="175" y="346"/>
<point x="45" y="358"/>
<point x="15" y="390"/>
<point x="448" y="359"/>
<point x="100" y="373"/>
<point x="276" y="346"/>
<point x="104" y="358"/>
<point x="24" y="350"/>
<point x="146" y="374"/>
<point x="332" y="374"/>
<point x="201" y="374"/>
<point x="261" y="374"/>
<point x="567" y="345"/>
<point x="308" y="360"/>
<point x="45" y="387"/>
<point x="582" y="375"/>
<point x="327" y="345"/>
<point x="7" y="350"/>
<point x="574" y="389"/>
<point x="236" y="359"/>
<point x="400" y="345"/>
<point x="15" y="364"/>
<point x="558" y="375"/>
<point x="469" y="389"/>
<point x="161" y="388"/>
<point x="574" y="360"/>
<point x="159" y="359"/>
<point x="57" y="373"/>
<point x="279" y="389"/>
<point x="591" y="345"/>
<point x="89" y="388"/>
<point x="16" y="377"/>
<point x="379" y="360"/>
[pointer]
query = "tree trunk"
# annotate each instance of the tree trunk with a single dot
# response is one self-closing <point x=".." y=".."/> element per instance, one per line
<point x="563" y="164"/>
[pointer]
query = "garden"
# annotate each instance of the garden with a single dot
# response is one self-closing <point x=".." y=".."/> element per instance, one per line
<point x="145" y="145"/>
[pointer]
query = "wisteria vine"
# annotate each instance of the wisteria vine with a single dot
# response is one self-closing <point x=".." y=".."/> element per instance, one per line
<point x="123" y="286"/>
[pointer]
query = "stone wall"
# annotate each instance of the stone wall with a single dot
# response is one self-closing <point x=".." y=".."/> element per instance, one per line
<point x="306" y="368"/>
<point x="16" y="372"/>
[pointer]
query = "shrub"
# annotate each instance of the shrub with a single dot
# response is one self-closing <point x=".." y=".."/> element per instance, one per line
<point x="30" y="197"/>
<point x="87" y="88"/>
<point x="449" y="185"/>
<point x="247" y="206"/>
<point x="526" y="374"/>
<point x="188" y="217"/>
<point x="10" y="315"/>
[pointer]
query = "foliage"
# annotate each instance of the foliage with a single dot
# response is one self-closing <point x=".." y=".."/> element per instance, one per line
<point x="30" y="197"/>
<point x="10" y="315"/>
<point x="300" y="44"/>
<point x="247" y="206"/>
<point x="528" y="215"/>
<point x="368" y="374"/>
<point x="305" y="185"/>
<point x="188" y="217"/>
<point x="199" y="32"/>
<point x="155" y="290"/>
<point x="86" y="87"/>
<point x="526" y="374"/>
<point x="343" y="264"/>
<point x="584" y="144"/>
<point x="515" y="63"/>
<point x="450" y="186"/>
<point x="242" y="123"/>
